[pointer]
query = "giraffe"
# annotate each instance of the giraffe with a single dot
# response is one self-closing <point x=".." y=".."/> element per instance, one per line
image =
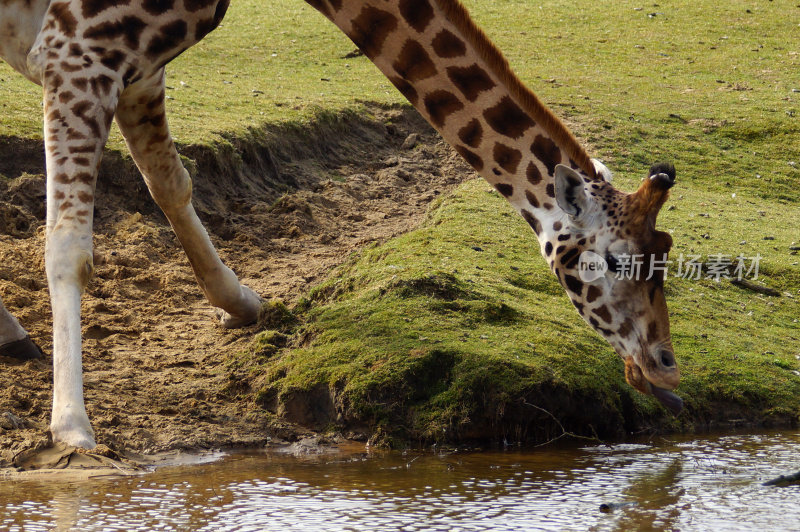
<point x="99" y="61"/>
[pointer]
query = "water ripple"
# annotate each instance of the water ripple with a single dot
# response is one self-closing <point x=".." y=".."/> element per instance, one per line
<point x="698" y="484"/>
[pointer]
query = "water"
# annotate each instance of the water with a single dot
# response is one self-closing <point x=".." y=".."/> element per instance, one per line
<point x="665" y="484"/>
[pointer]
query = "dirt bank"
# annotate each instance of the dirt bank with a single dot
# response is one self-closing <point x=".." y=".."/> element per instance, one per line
<point x="283" y="206"/>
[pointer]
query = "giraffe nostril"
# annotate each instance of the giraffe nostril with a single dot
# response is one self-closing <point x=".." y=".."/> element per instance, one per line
<point x="667" y="359"/>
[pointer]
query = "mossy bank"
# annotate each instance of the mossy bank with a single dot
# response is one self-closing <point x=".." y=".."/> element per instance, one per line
<point x="458" y="331"/>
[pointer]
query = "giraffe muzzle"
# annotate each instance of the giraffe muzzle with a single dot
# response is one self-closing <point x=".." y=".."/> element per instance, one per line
<point x="636" y="378"/>
<point x="663" y="175"/>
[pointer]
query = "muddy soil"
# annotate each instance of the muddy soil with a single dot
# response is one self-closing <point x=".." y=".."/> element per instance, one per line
<point x="283" y="207"/>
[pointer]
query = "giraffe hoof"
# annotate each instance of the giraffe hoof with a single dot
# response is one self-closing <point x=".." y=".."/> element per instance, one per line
<point x="78" y="433"/>
<point x="229" y="321"/>
<point x="250" y="305"/>
<point x="77" y="440"/>
<point x="24" y="349"/>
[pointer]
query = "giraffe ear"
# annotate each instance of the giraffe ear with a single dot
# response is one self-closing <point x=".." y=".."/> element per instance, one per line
<point x="570" y="193"/>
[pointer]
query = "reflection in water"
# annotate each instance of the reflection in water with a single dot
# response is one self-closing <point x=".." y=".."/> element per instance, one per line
<point x="655" y="495"/>
<point x="710" y="484"/>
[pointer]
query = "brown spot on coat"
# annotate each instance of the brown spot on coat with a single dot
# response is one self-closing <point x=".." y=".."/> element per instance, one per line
<point x="532" y="199"/>
<point x="570" y="258"/>
<point x="418" y="13"/>
<point x="61" y="12"/>
<point x="573" y="284"/>
<point x="533" y="174"/>
<point x="156" y="120"/>
<point x="532" y="221"/>
<point x="440" y="104"/>
<point x="83" y="177"/>
<point x="505" y="189"/>
<point x="92" y="8"/>
<point x="626" y="328"/>
<point x="414" y="63"/>
<point x="102" y="85"/>
<point x="86" y="148"/>
<point x="113" y="59"/>
<point x="508" y="158"/>
<point x="80" y="109"/>
<point x="80" y="83"/>
<point x="69" y="67"/>
<point x="53" y="82"/>
<point x="129" y="28"/>
<point x="447" y="45"/>
<point x="508" y="119"/>
<point x="168" y="39"/>
<point x="593" y="293"/>
<point x="73" y="134"/>
<point x="204" y="27"/>
<point x="546" y="151"/>
<point x="471" y="157"/>
<point x="603" y="313"/>
<point x="472" y="133"/>
<point x="158" y="7"/>
<point x="370" y="29"/>
<point x="471" y="80"/>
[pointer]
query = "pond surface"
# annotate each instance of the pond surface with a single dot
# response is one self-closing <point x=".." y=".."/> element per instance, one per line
<point x="667" y="483"/>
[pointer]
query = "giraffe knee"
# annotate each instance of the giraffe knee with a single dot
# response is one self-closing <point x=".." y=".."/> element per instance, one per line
<point x="77" y="269"/>
<point x="68" y="260"/>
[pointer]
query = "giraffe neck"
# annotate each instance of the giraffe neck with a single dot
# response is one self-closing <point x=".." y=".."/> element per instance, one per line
<point x="437" y="57"/>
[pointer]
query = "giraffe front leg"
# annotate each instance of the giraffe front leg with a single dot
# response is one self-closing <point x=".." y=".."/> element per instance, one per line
<point x="78" y="115"/>
<point x="142" y="120"/>
<point x="68" y="261"/>
<point x="14" y="340"/>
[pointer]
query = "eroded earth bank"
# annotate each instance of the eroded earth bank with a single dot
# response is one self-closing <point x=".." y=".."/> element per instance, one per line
<point x="283" y="205"/>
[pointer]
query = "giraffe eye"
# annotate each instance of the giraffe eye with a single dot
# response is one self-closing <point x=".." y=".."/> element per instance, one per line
<point x="613" y="263"/>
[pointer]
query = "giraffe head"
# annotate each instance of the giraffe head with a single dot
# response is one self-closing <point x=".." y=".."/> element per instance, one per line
<point x="611" y="259"/>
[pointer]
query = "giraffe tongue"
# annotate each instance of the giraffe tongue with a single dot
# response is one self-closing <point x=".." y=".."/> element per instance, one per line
<point x="668" y="399"/>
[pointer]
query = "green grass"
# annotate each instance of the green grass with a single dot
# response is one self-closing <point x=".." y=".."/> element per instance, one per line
<point x="704" y="83"/>
<point x="268" y="61"/>
<point x="425" y="335"/>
